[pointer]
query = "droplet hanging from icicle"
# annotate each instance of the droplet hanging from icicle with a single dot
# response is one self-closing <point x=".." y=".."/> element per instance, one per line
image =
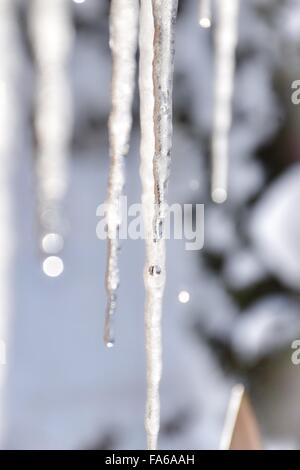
<point x="52" y="34"/>
<point x="205" y="8"/>
<point x="123" y="43"/>
<point x="226" y="35"/>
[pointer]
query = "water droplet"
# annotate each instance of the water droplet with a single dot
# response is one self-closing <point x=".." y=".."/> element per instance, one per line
<point x="205" y="22"/>
<point x="53" y="266"/>
<point x="52" y="243"/>
<point x="184" y="297"/>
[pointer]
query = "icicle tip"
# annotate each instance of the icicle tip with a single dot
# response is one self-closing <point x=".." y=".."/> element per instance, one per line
<point x="219" y="195"/>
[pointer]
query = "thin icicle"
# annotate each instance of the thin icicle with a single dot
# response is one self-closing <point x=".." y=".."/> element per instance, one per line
<point x="123" y="43"/>
<point x="205" y="13"/>
<point x="156" y="78"/>
<point x="164" y="14"/>
<point x="225" y="40"/>
<point x="52" y="34"/>
<point x="10" y="112"/>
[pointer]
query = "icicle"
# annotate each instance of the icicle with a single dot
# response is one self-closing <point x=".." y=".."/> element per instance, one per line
<point x="156" y="77"/>
<point x="164" y="23"/>
<point x="153" y="292"/>
<point x="123" y="43"/>
<point x="226" y="39"/>
<point x="205" y="13"/>
<point x="52" y="37"/>
<point x="9" y="146"/>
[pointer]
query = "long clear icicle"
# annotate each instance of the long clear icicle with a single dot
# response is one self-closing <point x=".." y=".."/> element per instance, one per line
<point x="123" y="43"/>
<point x="52" y="34"/>
<point x="205" y="8"/>
<point x="226" y="36"/>
<point x="154" y="284"/>
<point x="156" y="79"/>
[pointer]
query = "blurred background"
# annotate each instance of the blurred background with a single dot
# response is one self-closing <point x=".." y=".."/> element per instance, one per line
<point x="60" y="387"/>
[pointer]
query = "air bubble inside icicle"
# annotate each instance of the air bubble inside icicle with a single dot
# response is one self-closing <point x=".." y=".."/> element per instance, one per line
<point x="225" y="44"/>
<point x="123" y="43"/>
<point x="156" y="77"/>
